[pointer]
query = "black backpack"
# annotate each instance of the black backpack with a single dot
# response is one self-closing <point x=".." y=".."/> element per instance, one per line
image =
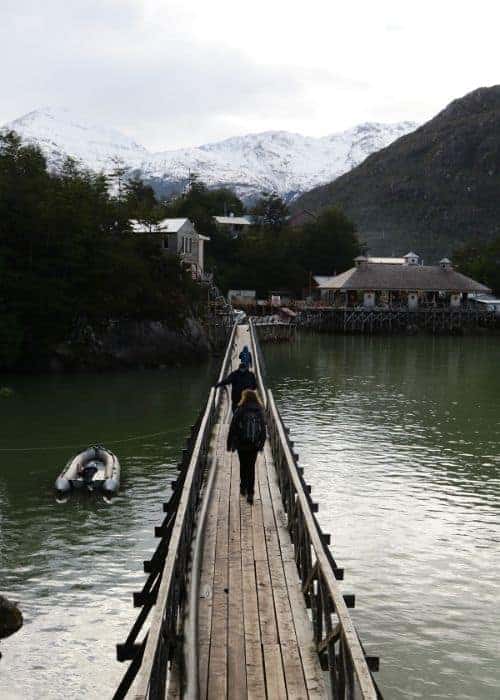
<point x="250" y="431"/>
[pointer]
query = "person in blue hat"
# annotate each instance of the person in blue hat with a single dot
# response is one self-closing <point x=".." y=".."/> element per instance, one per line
<point x="246" y="356"/>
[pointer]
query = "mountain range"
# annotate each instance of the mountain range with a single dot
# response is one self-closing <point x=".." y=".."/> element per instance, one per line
<point x="430" y="191"/>
<point x="278" y="161"/>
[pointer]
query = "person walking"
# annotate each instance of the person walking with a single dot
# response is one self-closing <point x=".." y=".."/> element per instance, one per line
<point x="240" y="380"/>
<point x="246" y="356"/>
<point x="247" y="435"/>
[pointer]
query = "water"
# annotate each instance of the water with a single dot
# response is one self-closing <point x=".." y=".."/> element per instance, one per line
<point x="400" y="441"/>
<point x="74" y="566"/>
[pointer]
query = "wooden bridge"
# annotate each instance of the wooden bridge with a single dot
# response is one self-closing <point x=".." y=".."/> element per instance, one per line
<point x="242" y="601"/>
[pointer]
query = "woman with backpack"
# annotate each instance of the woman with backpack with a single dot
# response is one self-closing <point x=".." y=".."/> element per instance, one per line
<point x="247" y="435"/>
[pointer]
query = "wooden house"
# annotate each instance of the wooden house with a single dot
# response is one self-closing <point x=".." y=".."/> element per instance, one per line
<point x="177" y="237"/>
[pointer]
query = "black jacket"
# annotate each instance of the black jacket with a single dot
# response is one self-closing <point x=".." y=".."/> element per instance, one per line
<point x="234" y="437"/>
<point x="239" y="380"/>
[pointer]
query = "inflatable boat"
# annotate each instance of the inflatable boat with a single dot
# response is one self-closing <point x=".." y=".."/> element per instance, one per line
<point x="94" y="469"/>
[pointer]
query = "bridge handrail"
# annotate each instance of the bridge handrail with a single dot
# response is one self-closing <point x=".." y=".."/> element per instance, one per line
<point x="163" y="639"/>
<point x="339" y="645"/>
<point x="256" y="363"/>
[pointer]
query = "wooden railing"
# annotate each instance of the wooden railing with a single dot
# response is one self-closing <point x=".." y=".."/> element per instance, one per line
<point x="337" y="642"/>
<point x="165" y="591"/>
<point x="258" y="363"/>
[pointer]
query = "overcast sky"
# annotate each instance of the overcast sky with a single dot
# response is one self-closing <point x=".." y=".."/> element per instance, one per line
<point x="171" y="73"/>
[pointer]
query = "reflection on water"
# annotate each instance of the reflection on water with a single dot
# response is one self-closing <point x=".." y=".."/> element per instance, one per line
<point x="400" y="440"/>
<point x="74" y="566"/>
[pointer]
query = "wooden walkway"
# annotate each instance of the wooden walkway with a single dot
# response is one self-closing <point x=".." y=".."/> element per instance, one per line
<point x="255" y="639"/>
<point x="242" y="601"/>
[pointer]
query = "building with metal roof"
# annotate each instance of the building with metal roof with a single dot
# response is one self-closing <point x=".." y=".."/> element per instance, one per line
<point x="177" y="237"/>
<point x="235" y="225"/>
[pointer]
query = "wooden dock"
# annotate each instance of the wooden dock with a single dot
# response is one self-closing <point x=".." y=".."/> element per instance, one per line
<point x="396" y="320"/>
<point x="243" y="600"/>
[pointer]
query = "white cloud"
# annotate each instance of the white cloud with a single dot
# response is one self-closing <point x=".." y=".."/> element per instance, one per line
<point x="171" y="73"/>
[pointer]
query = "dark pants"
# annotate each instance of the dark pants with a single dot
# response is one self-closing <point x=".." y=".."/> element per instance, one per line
<point x="248" y="458"/>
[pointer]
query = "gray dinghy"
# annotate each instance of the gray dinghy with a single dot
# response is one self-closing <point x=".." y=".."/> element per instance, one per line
<point x="94" y="469"/>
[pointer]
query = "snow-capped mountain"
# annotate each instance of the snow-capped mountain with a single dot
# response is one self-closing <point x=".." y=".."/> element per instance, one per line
<point x="278" y="161"/>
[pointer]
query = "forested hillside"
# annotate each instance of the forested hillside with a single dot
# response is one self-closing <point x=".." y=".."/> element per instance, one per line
<point x="68" y="256"/>
<point x="431" y="191"/>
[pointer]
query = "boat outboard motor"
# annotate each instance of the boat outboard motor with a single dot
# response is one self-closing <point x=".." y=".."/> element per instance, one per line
<point x="89" y="470"/>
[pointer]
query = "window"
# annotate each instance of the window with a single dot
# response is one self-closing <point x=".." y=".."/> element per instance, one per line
<point x="165" y="241"/>
<point x="187" y="245"/>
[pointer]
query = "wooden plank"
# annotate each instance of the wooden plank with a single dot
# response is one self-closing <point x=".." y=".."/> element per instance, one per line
<point x="217" y="670"/>
<point x="268" y="627"/>
<point x="236" y="637"/>
<point x="292" y="667"/>
<point x="205" y="602"/>
<point x="250" y="603"/>
<point x="256" y="686"/>
<point x="275" y="680"/>
<point x="314" y="676"/>
<point x="292" y="662"/>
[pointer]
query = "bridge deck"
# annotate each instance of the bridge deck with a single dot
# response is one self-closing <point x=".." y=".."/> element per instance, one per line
<point x="225" y="598"/>
<point x="255" y="638"/>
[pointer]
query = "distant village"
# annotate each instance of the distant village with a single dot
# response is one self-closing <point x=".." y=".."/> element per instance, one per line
<point x="383" y="283"/>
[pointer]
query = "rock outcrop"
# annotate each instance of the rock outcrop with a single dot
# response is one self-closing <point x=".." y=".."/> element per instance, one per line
<point x="121" y="344"/>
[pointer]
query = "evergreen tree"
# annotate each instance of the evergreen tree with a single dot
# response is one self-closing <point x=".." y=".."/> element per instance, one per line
<point x="481" y="261"/>
<point x="328" y="244"/>
<point x="117" y="177"/>
<point x="271" y="211"/>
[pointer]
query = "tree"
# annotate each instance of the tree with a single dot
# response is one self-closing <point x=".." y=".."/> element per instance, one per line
<point x="272" y="211"/>
<point x="117" y="176"/>
<point x="328" y="244"/>
<point x="481" y="261"/>
<point x="141" y="203"/>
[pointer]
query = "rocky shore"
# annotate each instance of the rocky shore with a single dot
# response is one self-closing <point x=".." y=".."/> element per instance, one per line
<point x="129" y="344"/>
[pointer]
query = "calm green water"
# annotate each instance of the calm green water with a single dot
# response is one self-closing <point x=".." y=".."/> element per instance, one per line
<point x="74" y="566"/>
<point x="400" y="439"/>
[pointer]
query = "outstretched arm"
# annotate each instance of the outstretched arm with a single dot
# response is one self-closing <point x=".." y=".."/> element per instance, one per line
<point x="225" y="381"/>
